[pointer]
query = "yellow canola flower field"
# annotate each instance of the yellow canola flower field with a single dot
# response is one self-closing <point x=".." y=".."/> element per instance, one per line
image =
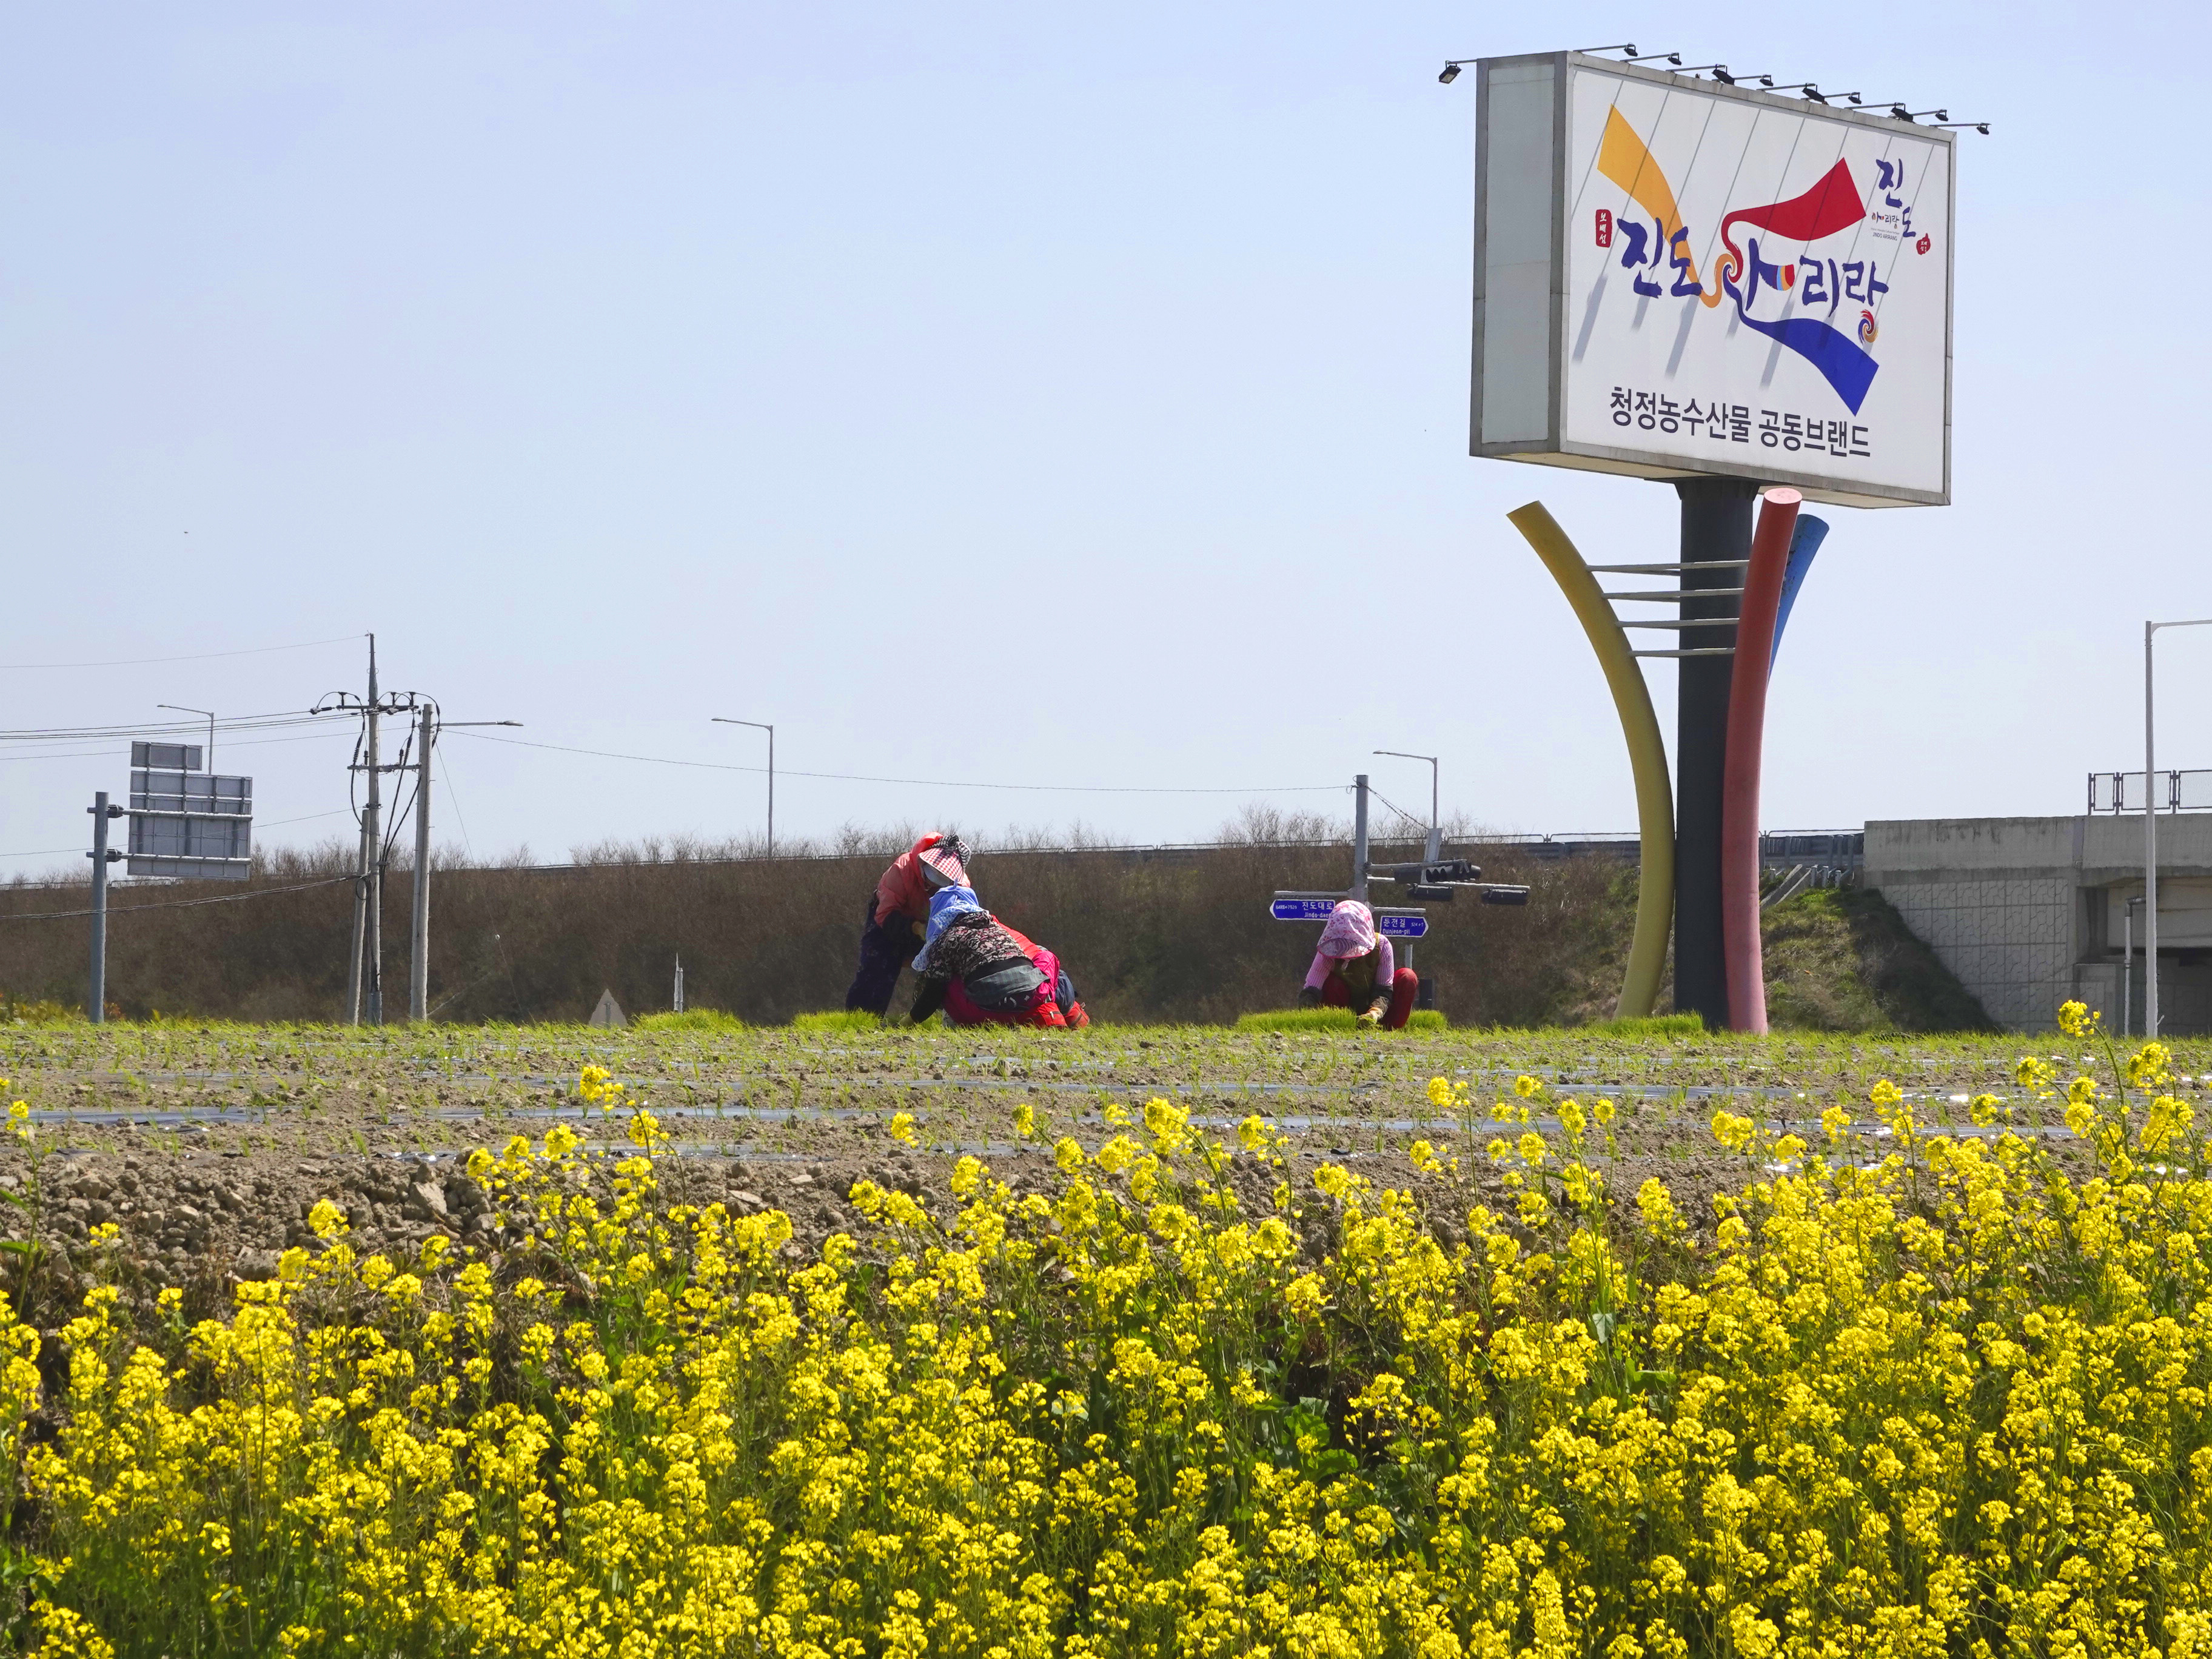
<point x="1947" y="1401"/>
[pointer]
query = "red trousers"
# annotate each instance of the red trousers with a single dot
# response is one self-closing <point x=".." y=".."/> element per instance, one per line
<point x="961" y="1009"/>
<point x="1405" y="986"/>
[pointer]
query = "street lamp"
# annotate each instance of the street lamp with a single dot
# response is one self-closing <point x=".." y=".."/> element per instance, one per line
<point x="210" y="713"/>
<point x="1435" y="844"/>
<point x="762" y="725"/>
<point x="2150" y="836"/>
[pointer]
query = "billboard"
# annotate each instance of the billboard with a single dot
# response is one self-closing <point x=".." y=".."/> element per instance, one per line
<point x="1677" y="277"/>
<point x="188" y="824"/>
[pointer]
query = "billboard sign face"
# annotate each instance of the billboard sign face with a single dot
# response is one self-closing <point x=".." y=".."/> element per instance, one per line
<point x="190" y="825"/>
<point x="1677" y="277"/>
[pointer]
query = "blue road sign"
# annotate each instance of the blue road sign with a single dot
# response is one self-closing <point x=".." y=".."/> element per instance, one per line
<point x="1314" y="909"/>
<point x="1403" y="926"/>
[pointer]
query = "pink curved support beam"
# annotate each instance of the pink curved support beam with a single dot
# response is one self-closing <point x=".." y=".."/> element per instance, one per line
<point x="1747" y="724"/>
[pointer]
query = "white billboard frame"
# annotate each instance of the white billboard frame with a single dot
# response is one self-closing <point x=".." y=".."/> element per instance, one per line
<point x="1522" y="342"/>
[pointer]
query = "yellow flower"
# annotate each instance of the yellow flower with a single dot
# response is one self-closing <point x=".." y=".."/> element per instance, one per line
<point x="902" y="1129"/>
<point x="1167" y="1124"/>
<point x="1732" y="1131"/>
<point x="2075" y="1019"/>
<point x="1025" y="1120"/>
<point x="2150" y="1065"/>
<point x="1526" y="1087"/>
<point x="1068" y="1156"/>
<point x="326" y="1220"/>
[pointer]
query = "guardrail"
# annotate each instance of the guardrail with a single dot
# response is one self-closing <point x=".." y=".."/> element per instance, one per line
<point x="2122" y="792"/>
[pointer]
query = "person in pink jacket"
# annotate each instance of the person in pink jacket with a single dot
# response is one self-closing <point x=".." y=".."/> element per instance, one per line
<point x="1355" y="968"/>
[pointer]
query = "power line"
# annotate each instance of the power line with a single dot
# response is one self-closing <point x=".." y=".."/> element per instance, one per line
<point x="1419" y="823"/>
<point x="305" y="817"/>
<point x="173" y="905"/>
<point x="197" y="656"/>
<point x="167" y="728"/>
<point x="109" y="754"/>
<point x="932" y="783"/>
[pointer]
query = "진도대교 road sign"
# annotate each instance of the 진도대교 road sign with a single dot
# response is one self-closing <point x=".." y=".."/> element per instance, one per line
<point x="1396" y="923"/>
<point x="1676" y="277"/>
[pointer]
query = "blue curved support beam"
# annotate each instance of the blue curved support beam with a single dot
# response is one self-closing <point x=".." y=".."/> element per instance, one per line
<point x="1811" y="532"/>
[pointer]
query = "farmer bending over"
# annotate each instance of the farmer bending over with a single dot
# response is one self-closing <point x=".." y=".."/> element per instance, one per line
<point x="981" y="972"/>
<point x="1354" y="968"/>
<point x="896" y="910"/>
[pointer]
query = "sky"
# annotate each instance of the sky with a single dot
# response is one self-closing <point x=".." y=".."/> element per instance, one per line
<point x="996" y="394"/>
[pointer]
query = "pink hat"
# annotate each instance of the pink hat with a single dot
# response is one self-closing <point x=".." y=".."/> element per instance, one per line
<point x="1350" y="932"/>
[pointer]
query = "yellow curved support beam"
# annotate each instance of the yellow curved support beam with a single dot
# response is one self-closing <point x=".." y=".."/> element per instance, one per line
<point x="1647" y="756"/>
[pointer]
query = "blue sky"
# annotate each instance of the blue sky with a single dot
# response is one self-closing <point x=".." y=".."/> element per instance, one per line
<point x="1003" y="394"/>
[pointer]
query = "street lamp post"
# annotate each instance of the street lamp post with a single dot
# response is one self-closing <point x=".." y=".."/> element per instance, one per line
<point x="762" y="726"/>
<point x="2128" y="961"/>
<point x="210" y="713"/>
<point x="2150" y="833"/>
<point x="1435" y="844"/>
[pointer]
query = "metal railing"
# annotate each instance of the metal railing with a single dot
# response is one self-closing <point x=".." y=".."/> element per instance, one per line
<point x="2122" y="792"/>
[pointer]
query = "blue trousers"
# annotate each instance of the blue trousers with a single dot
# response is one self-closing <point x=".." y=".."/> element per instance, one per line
<point x="885" y="947"/>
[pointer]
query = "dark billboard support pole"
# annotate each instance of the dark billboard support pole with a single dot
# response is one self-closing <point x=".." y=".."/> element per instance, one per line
<point x="1717" y="519"/>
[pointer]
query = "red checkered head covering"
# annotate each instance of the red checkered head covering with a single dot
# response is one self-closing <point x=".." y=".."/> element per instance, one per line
<point x="945" y="865"/>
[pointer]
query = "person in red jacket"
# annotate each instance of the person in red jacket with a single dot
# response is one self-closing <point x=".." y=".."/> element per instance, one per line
<point x="890" y="931"/>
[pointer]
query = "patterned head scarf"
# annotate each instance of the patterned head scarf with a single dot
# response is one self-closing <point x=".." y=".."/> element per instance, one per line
<point x="1350" y="932"/>
<point x="945" y="865"/>
<point x="948" y="906"/>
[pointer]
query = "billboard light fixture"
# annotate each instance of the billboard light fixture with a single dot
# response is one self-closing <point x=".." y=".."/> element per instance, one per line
<point x="1982" y="127"/>
<point x="1904" y="114"/>
<point x="1634" y="57"/>
<point x="1629" y="47"/>
<point x="1727" y="77"/>
<point x="1451" y="69"/>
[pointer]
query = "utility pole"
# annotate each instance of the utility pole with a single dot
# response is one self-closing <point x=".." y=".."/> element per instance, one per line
<point x="418" y="940"/>
<point x="96" y="1009"/>
<point x="1359" y="838"/>
<point x="372" y="824"/>
<point x="369" y="881"/>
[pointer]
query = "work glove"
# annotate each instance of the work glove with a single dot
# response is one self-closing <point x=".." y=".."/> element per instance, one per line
<point x="1372" y="1017"/>
<point x="1309" y="996"/>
